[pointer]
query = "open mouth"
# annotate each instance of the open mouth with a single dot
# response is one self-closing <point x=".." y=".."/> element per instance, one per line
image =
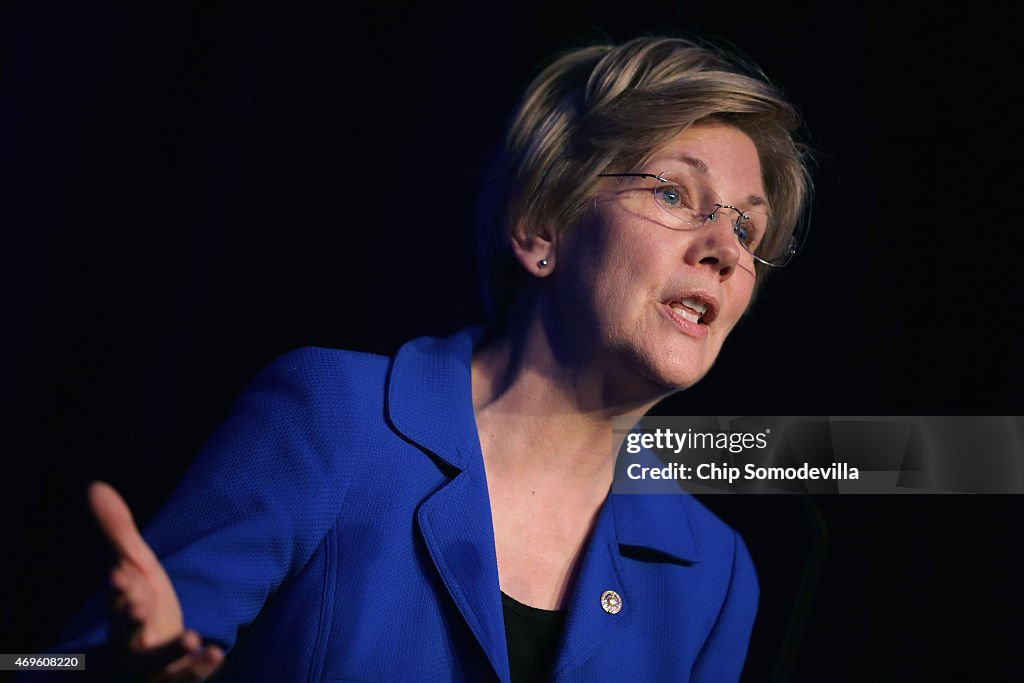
<point x="696" y="308"/>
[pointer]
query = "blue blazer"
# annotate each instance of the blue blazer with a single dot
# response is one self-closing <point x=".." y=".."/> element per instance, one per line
<point x="337" y="527"/>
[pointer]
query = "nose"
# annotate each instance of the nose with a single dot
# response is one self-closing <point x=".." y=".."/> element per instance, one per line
<point x="715" y="246"/>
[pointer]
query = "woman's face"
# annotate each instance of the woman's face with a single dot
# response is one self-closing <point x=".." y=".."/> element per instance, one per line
<point x="649" y="302"/>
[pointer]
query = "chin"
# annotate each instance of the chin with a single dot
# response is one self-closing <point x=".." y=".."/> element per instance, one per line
<point x="673" y="372"/>
<point x="677" y="381"/>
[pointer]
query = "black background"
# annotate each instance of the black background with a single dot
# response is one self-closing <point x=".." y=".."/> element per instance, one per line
<point x="189" y="190"/>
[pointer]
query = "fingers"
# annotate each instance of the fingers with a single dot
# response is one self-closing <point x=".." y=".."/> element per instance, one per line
<point x="138" y="610"/>
<point x="199" y="663"/>
<point x="145" y="610"/>
<point x="133" y="597"/>
<point x="183" y="659"/>
<point x="117" y="523"/>
<point x="163" y="656"/>
<point x="147" y="616"/>
<point x="206" y="663"/>
<point x="145" y="607"/>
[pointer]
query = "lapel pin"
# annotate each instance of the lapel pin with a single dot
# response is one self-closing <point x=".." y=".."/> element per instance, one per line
<point x="611" y="602"/>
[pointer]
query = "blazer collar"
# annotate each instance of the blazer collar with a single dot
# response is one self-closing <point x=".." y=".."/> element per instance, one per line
<point x="430" y="395"/>
<point x="657" y="521"/>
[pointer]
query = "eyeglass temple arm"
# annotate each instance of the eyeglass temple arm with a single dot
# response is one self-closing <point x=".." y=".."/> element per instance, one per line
<point x="631" y="175"/>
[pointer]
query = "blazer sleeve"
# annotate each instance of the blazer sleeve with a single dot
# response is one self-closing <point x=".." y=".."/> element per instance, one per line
<point x="721" y="658"/>
<point x="259" y="497"/>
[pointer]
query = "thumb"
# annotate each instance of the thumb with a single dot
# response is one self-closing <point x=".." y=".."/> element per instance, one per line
<point x="117" y="523"/>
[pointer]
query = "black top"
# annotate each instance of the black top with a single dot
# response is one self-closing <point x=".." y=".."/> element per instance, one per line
<point x="532" y="635"/>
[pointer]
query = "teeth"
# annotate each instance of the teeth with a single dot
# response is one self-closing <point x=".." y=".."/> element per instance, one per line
<point x="695" y="304"/>
<point x="686" y="313"/>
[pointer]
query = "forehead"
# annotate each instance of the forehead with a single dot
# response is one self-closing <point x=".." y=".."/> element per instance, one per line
<point x="724" y="154"/>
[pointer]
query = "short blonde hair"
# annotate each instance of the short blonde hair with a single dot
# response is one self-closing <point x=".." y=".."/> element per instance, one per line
<point x="605" y="108"/>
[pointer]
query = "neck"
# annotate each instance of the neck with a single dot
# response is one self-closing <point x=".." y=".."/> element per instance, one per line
<point x="544" y="408"/>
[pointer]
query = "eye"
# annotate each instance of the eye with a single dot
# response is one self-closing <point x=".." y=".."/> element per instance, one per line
<point x="746" y="231"/>
<point x="672" y="196"/>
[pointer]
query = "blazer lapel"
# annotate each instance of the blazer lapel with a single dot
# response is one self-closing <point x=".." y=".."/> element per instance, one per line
<point x="656" y="523"/>
<point x="456" y="527"/>
<point x="592" y="621"/>
<point x="430" y="403"/>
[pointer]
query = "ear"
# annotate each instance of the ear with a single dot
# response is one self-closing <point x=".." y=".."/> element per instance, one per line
<point x="535" y="250"/>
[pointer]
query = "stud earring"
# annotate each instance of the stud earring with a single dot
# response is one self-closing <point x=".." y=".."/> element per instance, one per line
<point x="543" y="263"/>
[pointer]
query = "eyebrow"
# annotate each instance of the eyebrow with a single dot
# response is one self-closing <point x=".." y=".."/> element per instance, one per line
<point x="702" y="167"/>
<point x="698" y="164"/>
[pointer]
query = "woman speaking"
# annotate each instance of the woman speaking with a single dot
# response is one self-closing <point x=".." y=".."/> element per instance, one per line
<point x="445" y="514"/>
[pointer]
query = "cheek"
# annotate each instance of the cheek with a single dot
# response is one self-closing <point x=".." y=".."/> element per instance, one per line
<point x="606" y="262"/>
<point x="739" y="297"/>
<point x="635" y="270"/>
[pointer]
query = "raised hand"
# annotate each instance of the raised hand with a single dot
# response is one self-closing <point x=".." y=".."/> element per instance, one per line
<point x="147" y="615"/>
